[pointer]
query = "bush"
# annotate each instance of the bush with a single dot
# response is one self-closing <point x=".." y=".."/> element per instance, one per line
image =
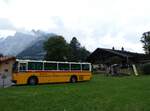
<point x="146" y="68"/>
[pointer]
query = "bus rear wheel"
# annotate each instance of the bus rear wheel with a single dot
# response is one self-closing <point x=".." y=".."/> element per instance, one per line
<point x="73" y="79"/>
<point x="33" y="80"/>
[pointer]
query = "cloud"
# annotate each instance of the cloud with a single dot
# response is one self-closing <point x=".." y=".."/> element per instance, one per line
<point x="6" y="24"/>
<point x="93" y="32"/>
<point x="96" y="23"/>
<point x="7" y="1"/>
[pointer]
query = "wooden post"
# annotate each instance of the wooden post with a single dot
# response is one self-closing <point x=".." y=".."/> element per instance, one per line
<point x="135" y="70"/>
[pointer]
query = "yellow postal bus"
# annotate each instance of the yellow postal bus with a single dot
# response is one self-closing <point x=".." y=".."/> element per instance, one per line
<point x="35" y="72"/>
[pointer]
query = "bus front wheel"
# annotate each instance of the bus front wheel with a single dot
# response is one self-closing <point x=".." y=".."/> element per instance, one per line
<point x="73" y="79"/>
<point x="33" y="80"/>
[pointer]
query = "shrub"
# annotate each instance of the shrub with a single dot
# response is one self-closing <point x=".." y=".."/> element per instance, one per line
<point x="146" y="68"/>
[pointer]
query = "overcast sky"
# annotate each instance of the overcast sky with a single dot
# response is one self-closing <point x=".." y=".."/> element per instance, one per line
<point x="96" y="23"/>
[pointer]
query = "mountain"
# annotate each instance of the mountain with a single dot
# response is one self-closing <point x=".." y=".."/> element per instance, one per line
<point x="35" y="51"/>
<point x="12" y="45"/>
<point x="22" y="42"/>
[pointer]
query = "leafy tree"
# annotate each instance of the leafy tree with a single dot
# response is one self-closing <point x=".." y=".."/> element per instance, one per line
<point x="78" y="53"/>
<point x="146" y="42"/>
<point x="74" y="43"/>
<point x="75" y="46"/>
<point x="83" y="54"/>
<point x="56" y="49"/>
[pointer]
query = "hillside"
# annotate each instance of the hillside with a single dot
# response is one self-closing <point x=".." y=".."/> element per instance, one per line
<point x="35" y="50"/>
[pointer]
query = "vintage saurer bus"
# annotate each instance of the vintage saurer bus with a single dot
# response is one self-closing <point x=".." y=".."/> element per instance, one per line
<point x="34" y="72"/>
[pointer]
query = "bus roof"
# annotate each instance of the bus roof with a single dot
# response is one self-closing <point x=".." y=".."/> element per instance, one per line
<point x="20" y="60"/>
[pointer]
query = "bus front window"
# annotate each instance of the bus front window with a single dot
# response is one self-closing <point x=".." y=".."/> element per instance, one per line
<point x="22" y="67"/>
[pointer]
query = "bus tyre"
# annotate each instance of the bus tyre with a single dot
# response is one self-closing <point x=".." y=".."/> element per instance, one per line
<point x="73" y="79"/>
<point x="32" y="81"/>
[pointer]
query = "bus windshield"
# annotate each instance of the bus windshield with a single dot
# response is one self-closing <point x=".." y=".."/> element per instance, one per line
<point x="15" y="67"/>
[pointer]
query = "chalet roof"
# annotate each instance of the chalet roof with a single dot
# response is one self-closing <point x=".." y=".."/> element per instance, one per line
<point x="123" y="53"/>
<point x="103" y="53"/>
<point x="6" y="58"/>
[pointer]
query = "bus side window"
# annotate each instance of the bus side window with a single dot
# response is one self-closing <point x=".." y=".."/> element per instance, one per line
<point x="75" y="67"/>
<point x="50" y="66"/>
<point x="22" y="67"/>
<point x="64" y="66"/>
<point x="35" y="65"/>
<point x="85" y="67"/>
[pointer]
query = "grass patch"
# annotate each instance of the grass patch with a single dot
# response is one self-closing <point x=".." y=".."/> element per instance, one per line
<point x="99" y="94"/>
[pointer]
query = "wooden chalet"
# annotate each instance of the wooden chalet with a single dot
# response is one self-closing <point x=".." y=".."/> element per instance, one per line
<point x="112" y="56"/>
<point x="105" y="59"/>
